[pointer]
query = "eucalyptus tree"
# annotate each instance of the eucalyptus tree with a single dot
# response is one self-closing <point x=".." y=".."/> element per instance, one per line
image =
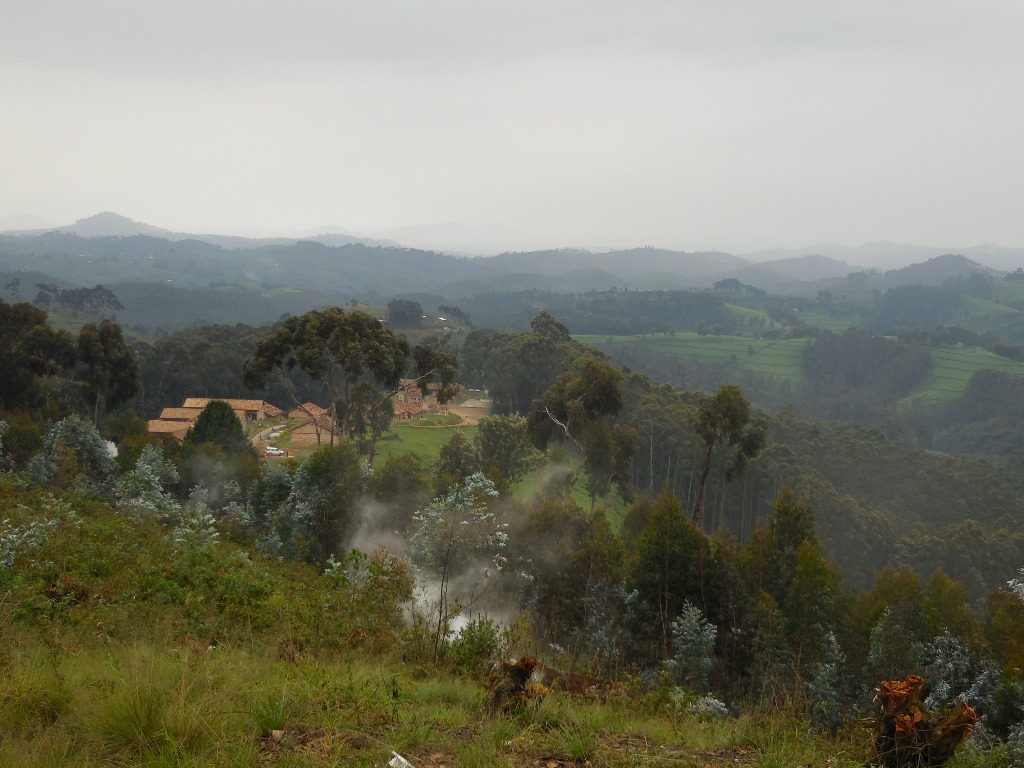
<point x="578" y="408"/>
<point x="725" y="421"/>
<point x="504" y="446"/>
<point x="32" y="354"/>
<point x="459" y="536"/>
<point x="109" y="369"/>
<point x="338" y="349"/>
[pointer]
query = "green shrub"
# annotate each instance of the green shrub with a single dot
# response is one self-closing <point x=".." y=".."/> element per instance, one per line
<point x="477" y="646"/>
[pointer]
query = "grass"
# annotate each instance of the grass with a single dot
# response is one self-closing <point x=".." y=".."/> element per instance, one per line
<point x="752" y="318"/>
<point x="438" y="420"/>
<point x="129" y="678"/>
<point x="150" y="704"/>
<point x="779" y="358"/>
<point x="423" y="442"/>
<point x="952" y="369"/>
<point x="982" y="315"/>
<point x="1009" y="291"/>
<point x="73" y="321"/>
<point x="827" y="322"/>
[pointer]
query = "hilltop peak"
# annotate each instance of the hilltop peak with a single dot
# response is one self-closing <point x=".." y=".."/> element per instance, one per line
<point x="109" y="224"/>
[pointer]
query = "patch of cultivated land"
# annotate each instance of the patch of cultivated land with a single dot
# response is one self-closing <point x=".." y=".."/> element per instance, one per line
<point x="952" y="369"/>
<point x="780" y="358"/>
<point x="982" y="315"/>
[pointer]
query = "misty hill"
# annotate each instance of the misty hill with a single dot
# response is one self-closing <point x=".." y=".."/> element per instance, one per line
<point x="107" y="224"/>
<point x="621" y="262"/>
<point x="347" y="270"/>
<point x="794" y="275"/>
<point x="134" y="252"/>
<point x="112" y="250"/>
<point x="937" y="270"/>
<point x="930" y="273"/>
<point x="883" y="254"/>
<point x="808" y="267"/>
<point x="576" y="281"/>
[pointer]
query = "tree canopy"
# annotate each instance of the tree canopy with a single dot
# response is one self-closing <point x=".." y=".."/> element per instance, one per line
<point x="333" y="347"/>
<point x="219" y="425"/>
<point x="404" y="313"/>
<point x="725" y="419"/>
<point x="31" y="352"/>
<point x="338" y="349"/>
<point x="110" y="372"/>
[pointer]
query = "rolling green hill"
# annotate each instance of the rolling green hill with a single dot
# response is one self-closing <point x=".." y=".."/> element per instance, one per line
<point x="952" y="369"/>
<point x="781" y="359"/>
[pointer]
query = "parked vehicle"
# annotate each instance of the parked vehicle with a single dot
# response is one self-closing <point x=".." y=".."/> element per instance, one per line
<point x="272" y="451"/>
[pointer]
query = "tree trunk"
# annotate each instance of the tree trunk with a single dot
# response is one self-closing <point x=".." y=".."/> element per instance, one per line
<point x="698" y="502"/>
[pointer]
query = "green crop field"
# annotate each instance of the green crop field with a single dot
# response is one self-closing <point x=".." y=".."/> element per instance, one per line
<point x="1009" y="290"/>
<point x="981" y="315"/>
<point x="827" y="322"/>
<point x="422" y="442"/>
<point x="755" y="319"/>
<point x="952" y="369"/>
<point x="271" y="292"/>
<point x="779" y="358"/>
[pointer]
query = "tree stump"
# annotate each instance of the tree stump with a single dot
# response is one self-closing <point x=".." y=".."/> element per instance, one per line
<point x="908" y="735"/>
<point x="508" y="686"/>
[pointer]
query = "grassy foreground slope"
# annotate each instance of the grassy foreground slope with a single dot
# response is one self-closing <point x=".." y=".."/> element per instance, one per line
<point x="126" y="641"/>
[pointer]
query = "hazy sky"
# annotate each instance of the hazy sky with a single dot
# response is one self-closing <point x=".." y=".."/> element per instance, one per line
<point x="728" y="124"/>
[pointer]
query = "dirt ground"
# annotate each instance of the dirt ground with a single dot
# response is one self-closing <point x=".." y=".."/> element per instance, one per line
<point x="471" y="411"/>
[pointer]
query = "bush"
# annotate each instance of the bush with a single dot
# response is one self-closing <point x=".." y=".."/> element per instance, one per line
<point x="477" y="646"/>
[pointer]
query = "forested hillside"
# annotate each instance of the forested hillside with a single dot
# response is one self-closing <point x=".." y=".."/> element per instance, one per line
<point x="722" y="559"/>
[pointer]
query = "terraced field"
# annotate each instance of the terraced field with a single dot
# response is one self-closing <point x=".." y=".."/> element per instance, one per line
<point x="981" y="315"/>
<point x="1009" y="290"/>
<point x="780" y="358"/>
<point x="952" y="369"/>
<point x="755" y="319"/>
<point x="827" y="322"/>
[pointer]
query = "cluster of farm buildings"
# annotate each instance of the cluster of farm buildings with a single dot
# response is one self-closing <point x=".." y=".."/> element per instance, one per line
<point x="305" y="423"/>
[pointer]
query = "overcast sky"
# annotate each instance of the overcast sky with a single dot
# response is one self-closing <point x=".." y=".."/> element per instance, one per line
<point x="720" y="124"/>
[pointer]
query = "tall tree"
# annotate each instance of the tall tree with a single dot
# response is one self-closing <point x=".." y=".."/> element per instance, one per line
<point x="725" y="420"/>
<point x="457" y="460"/>
<point x="338" y="349"/>
<point x="665" y="573"/>
<point x="504" y="445"/>
<point x="328" y="484"/>
<point x="110" y="371"/>
<point x="404" y="313"/>
<point x="31" y="352"/>
<point x="459" y="537"/>
<point x="473" y="357"/>
<point x="218" y="424"/>
<point x="576" y="408"/>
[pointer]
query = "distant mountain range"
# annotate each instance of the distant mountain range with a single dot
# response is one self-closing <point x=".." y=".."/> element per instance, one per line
<point x="884" y="255"/>
<point x="109" y="224"/>
<point x="111" y="249"/>
<point x="823" y="260"/>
